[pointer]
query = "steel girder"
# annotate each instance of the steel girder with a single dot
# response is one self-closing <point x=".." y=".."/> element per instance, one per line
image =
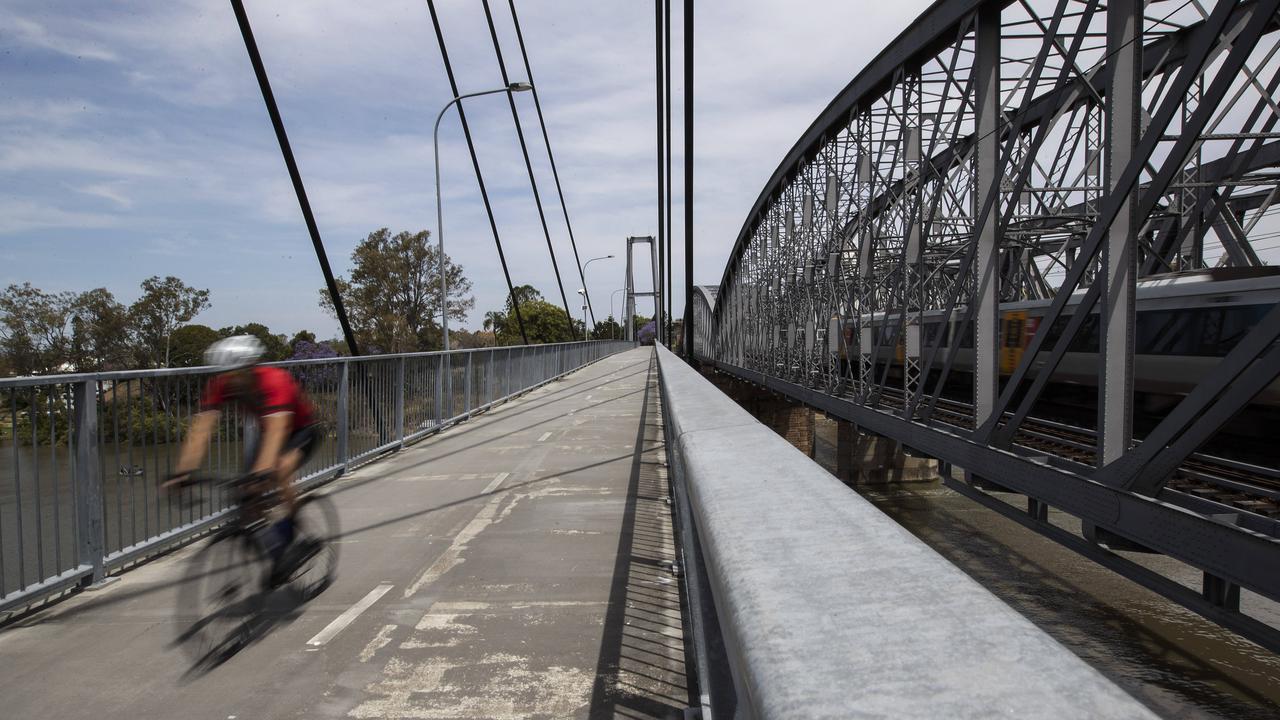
<point x="1055" y="150"/>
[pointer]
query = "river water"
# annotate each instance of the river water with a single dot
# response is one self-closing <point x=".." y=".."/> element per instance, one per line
<point x="1177" y="663"/>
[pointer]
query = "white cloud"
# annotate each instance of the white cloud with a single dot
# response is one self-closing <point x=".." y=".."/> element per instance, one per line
<point x="34" y="34"/>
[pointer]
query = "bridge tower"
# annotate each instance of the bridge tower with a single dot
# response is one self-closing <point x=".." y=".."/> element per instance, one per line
<point x="656" y="294"/>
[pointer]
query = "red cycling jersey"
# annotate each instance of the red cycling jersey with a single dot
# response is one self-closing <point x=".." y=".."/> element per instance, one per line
<point x="273" y="391"/>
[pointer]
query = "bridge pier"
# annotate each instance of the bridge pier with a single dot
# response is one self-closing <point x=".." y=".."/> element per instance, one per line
<point x="865" y="458"/>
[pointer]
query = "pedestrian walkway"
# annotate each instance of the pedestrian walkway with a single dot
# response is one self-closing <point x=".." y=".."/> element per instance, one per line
<point x="517" y="565"/>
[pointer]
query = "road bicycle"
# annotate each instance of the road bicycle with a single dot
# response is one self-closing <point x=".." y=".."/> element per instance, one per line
<point x="238" y="583"/>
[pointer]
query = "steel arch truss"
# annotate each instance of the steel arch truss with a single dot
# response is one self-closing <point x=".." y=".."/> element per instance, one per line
<point x="1042" y="150"/>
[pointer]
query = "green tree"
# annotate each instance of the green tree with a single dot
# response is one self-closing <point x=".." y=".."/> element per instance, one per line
<point x="101" y="332"/>
<point x="189" y="343"/>
<point x="33" y="329"/>
<point x="302" y="336"/>
<point x="165" y="304"/>
<point x="393" y="297"/>
<point x="607" y="329"/>
<point x="543" y="323"/>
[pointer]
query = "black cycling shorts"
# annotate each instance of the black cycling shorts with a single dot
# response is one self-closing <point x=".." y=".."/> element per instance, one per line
<point x="305" y="439"/>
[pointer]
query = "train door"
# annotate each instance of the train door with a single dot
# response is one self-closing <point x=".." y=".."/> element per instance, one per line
<point x="1013" y="325"/>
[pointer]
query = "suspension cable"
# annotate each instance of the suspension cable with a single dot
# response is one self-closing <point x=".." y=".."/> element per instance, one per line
<point x="276" y="122"/>
<point x="528" y="166"/>
<point x="528" y="72"/>
<point x="475" y="163"/>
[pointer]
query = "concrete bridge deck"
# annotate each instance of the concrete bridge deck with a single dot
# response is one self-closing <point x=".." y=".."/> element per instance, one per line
<point x="513" y="566"/>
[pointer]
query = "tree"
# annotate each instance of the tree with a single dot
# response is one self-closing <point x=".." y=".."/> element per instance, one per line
<point x="503" y="323"/>
<point x="543" y="323"/>
<point x="33" y="328"/>
<point x="393" y="297"/>
<point x="101" y="332"/>
<point x="189" y="343"/>
<point x="467" y="340"/>
<point x="276" y="347"/>
<point x="607" y="329"/>
<point x="302" y="336"/>
<point x="165" y="304"/>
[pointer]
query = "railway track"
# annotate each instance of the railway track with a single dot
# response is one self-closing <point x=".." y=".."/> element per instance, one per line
<point x="1230" y="483"/>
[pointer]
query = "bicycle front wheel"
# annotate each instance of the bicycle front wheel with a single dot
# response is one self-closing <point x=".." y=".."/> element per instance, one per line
<point x="221" y="598"/>
<point x="316" y="527"/>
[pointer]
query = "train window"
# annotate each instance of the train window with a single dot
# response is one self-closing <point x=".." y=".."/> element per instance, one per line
<point x="1225" y="327"/>
<point x="1165" y="332"/>
<point x="966" y="335"/>
<point x="1086" y="340"/>
<point x="931" y="334"/>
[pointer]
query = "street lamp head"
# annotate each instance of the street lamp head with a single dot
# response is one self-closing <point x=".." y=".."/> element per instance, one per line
<point x="581" y="291"/>
<point x="520" y="87"/>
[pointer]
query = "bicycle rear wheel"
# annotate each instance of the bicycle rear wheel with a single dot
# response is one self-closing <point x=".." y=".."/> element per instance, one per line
<point x="316" y="556"/>
<point x="221" y="598"/>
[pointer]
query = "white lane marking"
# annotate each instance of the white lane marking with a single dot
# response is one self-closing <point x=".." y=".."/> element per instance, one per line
<point x="378" y="642"/>
<point x="545" y="435"/>
<point x="494" y="485"/>
<point x="346" y="618"/>
<point x="452" y="555"/>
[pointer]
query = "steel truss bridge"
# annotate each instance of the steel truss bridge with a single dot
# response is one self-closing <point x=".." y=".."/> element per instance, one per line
<point x="988" y="202"/>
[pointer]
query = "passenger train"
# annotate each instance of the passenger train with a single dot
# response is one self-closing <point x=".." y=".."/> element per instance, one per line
<point x="1185" y="324"/>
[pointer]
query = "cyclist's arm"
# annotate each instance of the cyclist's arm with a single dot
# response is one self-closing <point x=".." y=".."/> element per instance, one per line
<point x="275" y="430"/>
<point x="197" y="441"/>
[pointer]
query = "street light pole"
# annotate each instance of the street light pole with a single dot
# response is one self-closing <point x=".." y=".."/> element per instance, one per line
<point x="444" y="282"/>
<point x="584" y="285"/>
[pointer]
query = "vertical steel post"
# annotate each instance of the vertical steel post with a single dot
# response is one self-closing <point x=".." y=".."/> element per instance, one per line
<point x="88" y="479"/>
<point x="1119" y="262"/>
<point x="629" y="309"/>
<point x="688" y="180"/>
<point x="344" y="396"/>
<point x="440" y="390"/>
<point x="466" y="379"/>
<point x="986" y="331"/>
<point x="400" y="401"/>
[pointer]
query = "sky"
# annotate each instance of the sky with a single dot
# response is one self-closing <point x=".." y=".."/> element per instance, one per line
<point x="134" y="140"/>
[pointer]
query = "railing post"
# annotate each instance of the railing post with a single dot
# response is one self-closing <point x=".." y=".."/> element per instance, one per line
<point x="344" y="432"/>
<point x="88" y="479"/>
<point x="466" y="378"/>
<point x="400" y="401"/>
<point x="440" y="391"/>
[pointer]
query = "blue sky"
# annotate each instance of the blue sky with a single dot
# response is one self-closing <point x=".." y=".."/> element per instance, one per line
<point x="134" y="142"/>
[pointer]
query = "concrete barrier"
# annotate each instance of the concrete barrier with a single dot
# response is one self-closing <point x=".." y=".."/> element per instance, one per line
<point x="823" y="607"/>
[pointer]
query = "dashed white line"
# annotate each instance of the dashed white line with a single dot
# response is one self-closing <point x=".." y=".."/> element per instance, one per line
<point x="494" y="485"/>
<point x="346" y="618"/>
<point x="545" y="435"/>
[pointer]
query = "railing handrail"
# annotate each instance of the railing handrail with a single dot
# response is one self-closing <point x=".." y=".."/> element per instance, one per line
<point x="111" y="375"/>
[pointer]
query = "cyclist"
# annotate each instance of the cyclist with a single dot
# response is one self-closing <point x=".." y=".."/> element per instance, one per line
<point x="287" y="434"/>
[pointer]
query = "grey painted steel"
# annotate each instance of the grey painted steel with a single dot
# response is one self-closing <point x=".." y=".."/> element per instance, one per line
<point x="828" y="608"/>
<point x="370" y="405"/>
<point x="1120" y="258"/>
<point x="986" y="331"/>
<point x="88" y="481"/>
<point x="632" y="293"/>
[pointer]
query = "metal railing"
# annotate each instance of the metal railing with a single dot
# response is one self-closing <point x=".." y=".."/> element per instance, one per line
<point x="82" y="456"/>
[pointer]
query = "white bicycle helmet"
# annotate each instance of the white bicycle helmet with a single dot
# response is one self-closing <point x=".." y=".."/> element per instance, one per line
<point x="235" y="352"/>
